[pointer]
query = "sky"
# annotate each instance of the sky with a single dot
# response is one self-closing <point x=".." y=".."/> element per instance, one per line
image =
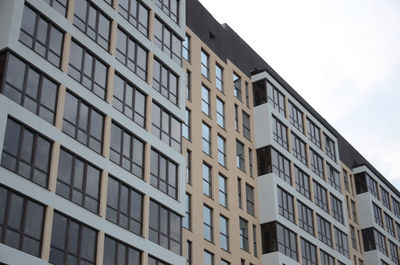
<point x="342" y="56"/>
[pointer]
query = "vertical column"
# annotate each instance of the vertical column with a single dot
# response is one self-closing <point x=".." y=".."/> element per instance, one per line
<point x="113" y="38"/>
<point x="146" y="212"/>
<point x="48" y="224"/>
<point x="103" y="194"/>
<point x="66" y="52"/>
<point x="149" y="103"/>
<point x="55" y="154"/>
<point x="100" y="248"/>
<point x="70" y="10"/>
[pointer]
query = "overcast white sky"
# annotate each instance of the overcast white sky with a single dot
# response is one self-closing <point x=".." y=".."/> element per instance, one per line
<point x="342" y="56"/>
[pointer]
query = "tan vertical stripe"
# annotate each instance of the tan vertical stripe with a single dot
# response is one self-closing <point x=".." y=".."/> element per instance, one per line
<point x="66" y="52"/>
<point x="150" y="69"/>
<point x="106" y="138"/>
<point x="146" y="212"/>
<point x="100" y="248"/>
<point x="55" y="154"/>
<point x="149" y="103"/>
<point x="113" y="38"/>
<point x="110" y="84"/>
<point x="48" y="224"/>
<point x="103" y="194"/>
<point x="70" y="10"/>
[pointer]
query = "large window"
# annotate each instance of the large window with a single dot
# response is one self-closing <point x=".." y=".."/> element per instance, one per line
<point x="26" y="153"/>
<point x="219" y="80"/>
<point x="189" y="167"/>
<point x="342" y="246"/>
<point x="186" y="48"/>
<point x="296" y="117"/>
<point x="389" y="224"/>
<point x="41" y="36"/>
<point x="377" y="214"/>
<point x="287" y="243"/>
<point x="131" y="54"/>
<point x="89" y="19"/>
<point x="240" y="155"/>
<point x="330" y="147"/>
<point x="302" y="182"/>
<point x="224" y="232"/>
<point x="129" y="100"/>
<point x="285" y="203"/>
<point x="299" y="149"/>
<point x="385" y="198"/>
<point x="334" y="178"/>
<point x="246" y="125"/>
<point x="124" y="206"/>
<point x="168" y="41"/>
<point x="244" y="234"/>
<point x="320" y="197"/>
<point x="327" y="259"/>
<point x="156" y="261"/>
<point x="126" y="150"/>
<point x="308" y="253"/>
<point x="306" y="220"/>
<point x="223" y="190"/>
<point x="206" y="138"/>
<point x="313" y="133"/>
<point x="83" y="122"/>
<point x="281" y="166"/>
<point x="170" y="7"/>
<point x="78" y="181"/>
<point x="66" y="231"/>
<point x="136" y="13"/>
<point x="221" y="150"/>
<point x="279" y="132"/>
<point x="237" y="86"/>
<point x="250" y="199"/>
<point x="396" y="207"/>
<point x="166" y="127"/>
<point x="59" y="5"/>
<point x="394" y="254"/>
<point x="220" y="113"/>
<point x="205" y="100"/>
<point x="208" y="228"/>
<point x="188" y="86"/>
<point x="87" y="69"/>
<point x="186" y="125"/>
<point x="164" y="174"/>
<point x="337" y="209"/>
<point x="208" y="258"/>
<point x="372" y="186"/>
<point x="165" y="81"/>
<point x="187" y="219"/>
<point x="116" y="252"/>
<point x="324" y="230"/>
<point x="205" y="71"/>
<point x="28" y="87"/>
<point x="276" y="98"/>
<point x="316" y="163"/>
<point x="207" y="180"/>
<point x="21" y="222"/>
<point x="165" y="227"/>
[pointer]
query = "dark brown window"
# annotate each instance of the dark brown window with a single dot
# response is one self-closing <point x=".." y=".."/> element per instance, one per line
<point x="165" y="227"/>
<point x="87" y="69"/>
<point x="124" y="206"/>
<point x="116" y="252"/>
<point x="26" y="153"/>
<point x="72" y="242"/>
<point x="166" y="127"/>
<point x="270" y="161"/>
<point x="78" y="181"/>
<point x="285" y="203"/>
<point x="302" y="182"/>
<point x="320" y="197"/>
<point x="280" y="132"/>
<point x="41" y="36"/>
<point x="165" y="82"/>
<point x="299" y="149"/>
<point x="168" y="41"/>
<point x="136" y="13"/>
<point x="21" y="222"/>
<point x="170" y="7"/>
<point x="127" y="150"/>
<point x="164" y="174"/>
<point x="83" y="122"/>
<point x="296" y="117"/>
<point x="250" y="199"/>
<point x="131" y="54"/>
<point x="313" y="133"/>
<point x="306" y="220"/>
<point x="129" y="100"/>
<point x="276" y="237"/>
<point x="89" y="19"/>
<point x="59" y="5"/>
<point x="316" y="163"/>
<point x="156" y="261"/>
<point x="28" y="87"/>
<point x="324" y="230"/>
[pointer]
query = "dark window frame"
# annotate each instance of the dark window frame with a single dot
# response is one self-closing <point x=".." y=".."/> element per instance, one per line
<point x="167" y="178"/>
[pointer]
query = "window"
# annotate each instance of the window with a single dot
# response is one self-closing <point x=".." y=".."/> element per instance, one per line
<point x="21" y="222"/>
<point x="246" y="86"/>
<point x="41" y="36"/>
<point x="236" y="124"/>
<point x="170" y="7"/>
<point x="299" y="149"/>
<point x="87" y="69"/>
<point x="188" y="166"/>
<point x="221" y="150"/>
<point x="334" y="178"/>
<point x="255" y="252"/>
<point x="327" y="259"/>
<point x="287" y="243"/>
<point x="341" y="242"/>
<point x="136" y="14"/>
<point x="59" y="5"/>
<point x="250" y="199"/>
<point x="207" y="223"/>
<point x="396" y="207"/>
<point x="90" y="20"/>
<point x="207" y="180"/>
<point x="389" y="225"/>
<point x="187" y="219"/>
<point x="320" y="197"/>
<point x="251" y="163"/>
<point x="354" y="211"/>
<point x="186" y="48"/>
<point x="165" y="227"/>
<point x="313" y="133"/>
<point x="155" y="261"/>
<point x="66" y="230"/>
<point x="380" y="242"/>
<point x="205" y="100"/>
<point x="224" y="262"/>
<point x="165" y="81"/>
<point x="166" y="127"/>
<point x="204" y="64"/>
<point x="316" y="164"/>
<point x="116" y="252"/>
<point x="372" y="186"/>
<point x="167" y="41"/>
<point x="276" y="98"/>
<point x="237" y="86"/>
<point x="26" y="153"/>
<point x="124" y="206"/>
<point x="394" y="254"/>
<point x="164" y="174"/>
<point x="188" y="252"/>
<point x="308" y="253"/>
<point x="306" y="220"/>
<point x="126" y="150"/>
<point x="239" y="187"/>
<point x="131" y="54"/>
<point x="83" y="122"/>
<point x="377" y="214"/>
<point x="296" y="117"/>
<point x="279" y="132"/>
<point x="223" y="191"/>
<point x="285" y="203"/>
<point x="330" y="147"/>
<point x="246" y="125"/>
<point x="186" y="125"/>
<point x="244" y="234"/>
<point x="337" y="209"/>
<point x="385" y="198"/>
<point x="224" y="232"/>
<point x="206" y="142"/>
<point x="78" y="181"/>
<point x="220" y="113"/>
<point x="240" y="155"/>
<point x="188" y="89"/>
<point x="353" y="237"/>
<point x="324" y="230"/>
<point x="29" y="88"/>
<point x="219" y="81"/>
<point x="281" y="166"/>
<point x="346" y="180"/>
<point x="302" y="182"/>
<point x="208" y="258"/>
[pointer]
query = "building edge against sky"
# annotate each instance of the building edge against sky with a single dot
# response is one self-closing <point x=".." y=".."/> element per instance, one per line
<point x="247" y="138"/>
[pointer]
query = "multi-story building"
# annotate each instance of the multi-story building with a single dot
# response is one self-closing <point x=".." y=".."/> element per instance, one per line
<point x="145" y="132"/>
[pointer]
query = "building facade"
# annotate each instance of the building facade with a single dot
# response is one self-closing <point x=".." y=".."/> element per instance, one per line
<point x="145" y="132"/>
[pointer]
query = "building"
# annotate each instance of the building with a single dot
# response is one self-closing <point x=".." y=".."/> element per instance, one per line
<point x="145" y="132"/>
